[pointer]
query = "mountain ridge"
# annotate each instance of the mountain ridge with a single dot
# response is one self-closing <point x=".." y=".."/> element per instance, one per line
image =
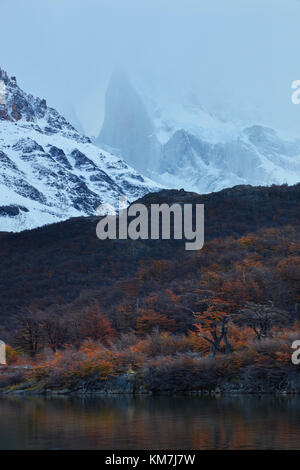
<point x="66" y="259"/>
<point x="192" y="148"/>
<point x="48" y="170"/>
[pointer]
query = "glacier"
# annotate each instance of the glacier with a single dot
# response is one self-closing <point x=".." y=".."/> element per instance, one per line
<point x="183" y="145"/>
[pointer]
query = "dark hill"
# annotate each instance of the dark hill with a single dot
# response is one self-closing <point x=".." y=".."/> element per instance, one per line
<point x="56" y="263"/>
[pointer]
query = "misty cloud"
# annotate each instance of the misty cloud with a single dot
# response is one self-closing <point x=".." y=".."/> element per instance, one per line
<point x="238" y="57"/>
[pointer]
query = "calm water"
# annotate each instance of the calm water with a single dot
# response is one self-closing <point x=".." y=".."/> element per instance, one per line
<point x="150" y="423"/>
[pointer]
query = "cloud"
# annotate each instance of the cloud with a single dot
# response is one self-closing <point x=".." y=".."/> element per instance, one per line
<point x="238" y="56"/>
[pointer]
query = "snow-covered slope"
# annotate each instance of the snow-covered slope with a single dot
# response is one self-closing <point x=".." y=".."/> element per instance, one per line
<point x="255" y="155"/>
<point x="195" y="149"/>
<point x="48" y="171"/>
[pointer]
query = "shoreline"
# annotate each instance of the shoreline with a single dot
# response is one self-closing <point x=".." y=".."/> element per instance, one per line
<point x="104" y="393"/>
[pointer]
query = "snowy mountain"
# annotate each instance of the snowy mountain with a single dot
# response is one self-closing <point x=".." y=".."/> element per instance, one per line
<point x="186" y="146"/>
<point x="127" y="125"/>
<point x="49" y="171"/>
<point x="255" y="155"/>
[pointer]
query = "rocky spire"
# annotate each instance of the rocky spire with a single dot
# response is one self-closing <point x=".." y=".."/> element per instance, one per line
<point x="127" y="125"/>
<point x="4" y="76"/>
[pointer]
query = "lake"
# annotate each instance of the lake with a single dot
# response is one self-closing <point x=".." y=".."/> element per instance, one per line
<point x="224" y="422"/>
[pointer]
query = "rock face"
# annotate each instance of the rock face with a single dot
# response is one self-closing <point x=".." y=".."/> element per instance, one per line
<point x="127" y="125"/>
<point x="191" y="148"/>
<point x="48" y="170"/>
<point x="255" y="156"/>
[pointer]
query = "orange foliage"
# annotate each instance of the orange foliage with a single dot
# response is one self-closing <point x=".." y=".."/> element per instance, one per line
<point x="151" y="320"/>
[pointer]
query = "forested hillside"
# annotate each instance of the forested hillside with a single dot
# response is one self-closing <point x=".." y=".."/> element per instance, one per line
<point x="87" y="313"/>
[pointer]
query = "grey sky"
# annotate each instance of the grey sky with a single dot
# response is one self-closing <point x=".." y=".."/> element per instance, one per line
<point x="239" y="56"/>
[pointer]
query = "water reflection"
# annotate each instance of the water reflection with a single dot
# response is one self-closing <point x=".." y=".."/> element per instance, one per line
<point x="233" y="422"/>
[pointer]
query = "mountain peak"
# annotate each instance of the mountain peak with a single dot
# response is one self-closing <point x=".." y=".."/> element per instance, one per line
<point x="127" y="125"/>
<point x="48" y="170"/>
<point x="16" y="104"/>
<point x="4" y="76"/>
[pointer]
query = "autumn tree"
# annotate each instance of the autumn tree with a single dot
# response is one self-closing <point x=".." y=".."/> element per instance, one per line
<point x="96" y="325"/>
<point x="289" y="271"/>
<point x="154" y="314"/>
<point x="151" y="320"/>
<point x="262" y="318"/>
<point x="212" y="324"/>
<point x="56" y="328"/>
<point x="29" y="334"/>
